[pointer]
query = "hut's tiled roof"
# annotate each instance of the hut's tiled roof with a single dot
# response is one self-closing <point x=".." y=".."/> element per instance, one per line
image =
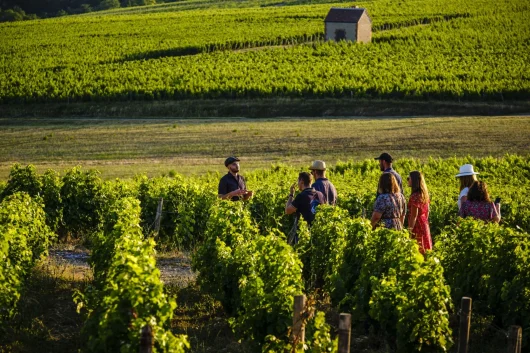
<point x="345" y="15"/>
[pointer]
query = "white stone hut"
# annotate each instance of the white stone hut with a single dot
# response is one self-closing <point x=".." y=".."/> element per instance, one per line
<point x="351" y="23"/>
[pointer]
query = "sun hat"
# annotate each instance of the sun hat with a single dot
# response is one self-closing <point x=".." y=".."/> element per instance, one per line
<point x="318" y="165"/>
<point x="465" y="170"/>
<point x="231" y="160"/>
<point x="385" y="157"/>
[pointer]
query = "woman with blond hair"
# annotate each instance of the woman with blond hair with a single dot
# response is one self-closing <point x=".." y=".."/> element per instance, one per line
<point x="467" y="178"/>
<point x="418" y="210"/>
<point x="390" y="205"/>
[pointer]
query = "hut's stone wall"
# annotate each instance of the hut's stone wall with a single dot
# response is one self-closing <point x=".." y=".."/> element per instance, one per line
<point x="349" y="28"/>
<point x="364" y="33"/>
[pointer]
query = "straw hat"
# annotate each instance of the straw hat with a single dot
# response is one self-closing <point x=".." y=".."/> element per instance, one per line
<point x="465" y="170"/>
<point x="318" y="165"/>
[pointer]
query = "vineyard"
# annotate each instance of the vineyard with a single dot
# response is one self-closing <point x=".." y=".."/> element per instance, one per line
<point x="421" y="50"/>
<point x="239" y="251"/>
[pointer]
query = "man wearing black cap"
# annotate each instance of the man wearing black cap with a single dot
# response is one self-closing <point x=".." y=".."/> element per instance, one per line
<point x="385" y="164"/>
<point x="232" y="186"/>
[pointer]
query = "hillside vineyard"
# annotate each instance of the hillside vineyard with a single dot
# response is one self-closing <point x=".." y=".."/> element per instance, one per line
<point x="425" y="49"/>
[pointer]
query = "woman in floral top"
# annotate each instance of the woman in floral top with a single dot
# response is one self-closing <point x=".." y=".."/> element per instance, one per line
<point x="418" y="210"/>
<point x="389" y="207"/>
<point x="478" y="204"/>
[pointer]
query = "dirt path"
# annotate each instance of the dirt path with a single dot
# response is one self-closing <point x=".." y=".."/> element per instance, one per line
<point x="175" y="267"/>
<point x="72" y="257"/>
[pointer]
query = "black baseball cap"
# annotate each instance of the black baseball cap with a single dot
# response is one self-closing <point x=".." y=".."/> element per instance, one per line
<point x="385" y="157"/>
<point x="231" y="160"/>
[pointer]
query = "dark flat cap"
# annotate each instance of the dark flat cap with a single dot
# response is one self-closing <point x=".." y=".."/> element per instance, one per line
<point x="231" y="160"/>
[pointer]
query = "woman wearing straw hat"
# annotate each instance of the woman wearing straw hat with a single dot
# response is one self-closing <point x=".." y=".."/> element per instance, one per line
<point x="467" y="178"/>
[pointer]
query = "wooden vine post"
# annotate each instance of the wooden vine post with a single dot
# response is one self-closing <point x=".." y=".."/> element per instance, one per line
<point x="158" y="216"/>
<point x="146" y="340"/>
<point x="515" y="339"/>
<point x="465" y="321"/>
<point x="298" y="331"/>
<point x="344" y="333"/>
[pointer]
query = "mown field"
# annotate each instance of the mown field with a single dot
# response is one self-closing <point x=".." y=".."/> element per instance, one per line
<point x="125" y="147"/>
<point x="422" y="50"/>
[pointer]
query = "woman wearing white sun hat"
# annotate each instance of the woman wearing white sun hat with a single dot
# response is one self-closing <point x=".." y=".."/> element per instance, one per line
<point x="467" y="178"/>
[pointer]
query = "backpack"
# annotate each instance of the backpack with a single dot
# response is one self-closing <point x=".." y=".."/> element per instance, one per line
<point x="318" y="198"/>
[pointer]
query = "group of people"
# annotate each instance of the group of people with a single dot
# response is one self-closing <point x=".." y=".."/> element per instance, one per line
<point x="390" y="207"/>
<point x="232" y="186"/>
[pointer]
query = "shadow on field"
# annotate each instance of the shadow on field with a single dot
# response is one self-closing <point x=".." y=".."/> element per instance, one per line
<point x="214" y="47"/>
<point x="273" y="107"/>
<point x="418" y="21"/>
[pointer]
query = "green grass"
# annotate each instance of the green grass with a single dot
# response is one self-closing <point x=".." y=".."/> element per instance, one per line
<point x="125" y="147"/>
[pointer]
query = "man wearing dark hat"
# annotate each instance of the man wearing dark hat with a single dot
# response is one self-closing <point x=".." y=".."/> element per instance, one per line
<point x="385" y="164"/>
<point x="322" y="184"/>
<point x="232" y="186"/>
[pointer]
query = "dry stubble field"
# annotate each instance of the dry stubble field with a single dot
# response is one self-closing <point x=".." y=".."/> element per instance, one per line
<point x="125" y="147"/>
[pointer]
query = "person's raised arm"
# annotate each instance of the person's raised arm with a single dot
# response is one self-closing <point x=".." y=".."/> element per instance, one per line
<point x="289" y="207"/>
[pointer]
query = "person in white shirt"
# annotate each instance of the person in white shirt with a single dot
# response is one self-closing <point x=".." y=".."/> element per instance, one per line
<point x="467" y="178"/>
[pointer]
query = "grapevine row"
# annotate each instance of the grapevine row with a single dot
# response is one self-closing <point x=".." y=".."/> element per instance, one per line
<point x="127" y="293"/>
<point x="24" y="239"/>
<point x="76" y="202"/>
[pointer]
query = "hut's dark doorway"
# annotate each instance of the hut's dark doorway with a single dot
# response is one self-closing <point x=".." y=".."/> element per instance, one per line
<point x="340" y="34"/>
